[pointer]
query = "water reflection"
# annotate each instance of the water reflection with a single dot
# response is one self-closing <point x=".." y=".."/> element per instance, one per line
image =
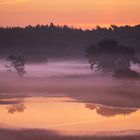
<point x="110" y="111"/>
<point x="66" y="116"/>
<point x="16" y="108"/>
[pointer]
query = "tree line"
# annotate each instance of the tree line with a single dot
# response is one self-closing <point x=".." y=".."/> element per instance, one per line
<point x="38" y="43"/>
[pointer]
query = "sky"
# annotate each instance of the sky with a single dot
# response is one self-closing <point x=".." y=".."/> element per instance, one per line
<point x="76" y="13"/>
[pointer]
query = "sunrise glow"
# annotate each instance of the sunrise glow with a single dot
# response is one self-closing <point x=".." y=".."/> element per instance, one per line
<point x="77" y="13"/>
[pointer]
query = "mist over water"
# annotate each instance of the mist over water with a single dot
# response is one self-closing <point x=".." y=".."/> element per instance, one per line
<point x="59" y="68"/>
<point x="60" y="90"/>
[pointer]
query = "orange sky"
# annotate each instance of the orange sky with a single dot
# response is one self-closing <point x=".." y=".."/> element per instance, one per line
<point x="78" y="13"/>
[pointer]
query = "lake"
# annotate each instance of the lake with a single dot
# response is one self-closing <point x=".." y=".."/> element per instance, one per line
<point x="66" y="100"/>
<point x="67" y="116"/>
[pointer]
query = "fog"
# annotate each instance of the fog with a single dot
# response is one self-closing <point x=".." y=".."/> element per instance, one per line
<point x="71" y="78"/>
<point x="59" y="68"/>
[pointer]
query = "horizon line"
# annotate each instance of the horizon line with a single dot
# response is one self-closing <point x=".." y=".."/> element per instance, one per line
<point x="107" y="26"/>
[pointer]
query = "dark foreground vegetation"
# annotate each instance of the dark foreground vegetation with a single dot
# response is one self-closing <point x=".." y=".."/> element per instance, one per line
<point x="48" y="135"/>
<point x="37" y="43"/>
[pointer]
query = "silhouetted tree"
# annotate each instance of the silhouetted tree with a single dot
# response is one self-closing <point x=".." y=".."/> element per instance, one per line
<point x="18" y="63"/>
<point x="109" y="56"/>
<point x="126" y="73"/>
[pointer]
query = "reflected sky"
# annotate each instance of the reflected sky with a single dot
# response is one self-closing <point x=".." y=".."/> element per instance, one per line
<point x="66" y="116"/>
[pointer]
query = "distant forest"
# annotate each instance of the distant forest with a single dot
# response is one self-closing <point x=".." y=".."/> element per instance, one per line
<point x="38" y="43"/>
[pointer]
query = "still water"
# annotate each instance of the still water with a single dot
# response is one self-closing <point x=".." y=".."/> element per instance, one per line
<point x="67" y="116"/>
